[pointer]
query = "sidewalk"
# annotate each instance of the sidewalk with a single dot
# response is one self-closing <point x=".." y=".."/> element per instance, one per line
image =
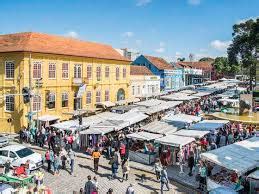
<point x="173" y="171"/>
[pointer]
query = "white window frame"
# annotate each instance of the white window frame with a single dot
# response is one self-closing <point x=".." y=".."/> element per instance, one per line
<point x="52" y="98"/>
<point x="37" y="63"/>
<point x="10" y="103"/>
<point x="97" y="73"/>
<point x="107" y="72"/>
<point x="100" y="96"/>
<point x="77" y="72"/>
<point x="87" y="72"/>
<point x="11" y="71"/>
<point x="65" y="71"/>
<point x="36" y="103"/>
<point x="53" y="70"/>
<point x="64" y="97"/>
<point x="107" y="95"/>
<point x="117" y="76"/>
<point x="124" y="72"/>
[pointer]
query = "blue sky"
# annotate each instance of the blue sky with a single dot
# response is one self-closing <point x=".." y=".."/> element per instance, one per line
<point x="166" y="28"/>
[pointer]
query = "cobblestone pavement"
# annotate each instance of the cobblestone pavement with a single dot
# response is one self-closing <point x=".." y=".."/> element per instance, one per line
<point x="66" y="183"/>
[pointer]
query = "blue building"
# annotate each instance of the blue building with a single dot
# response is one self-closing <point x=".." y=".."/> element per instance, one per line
<point x="171" y="77"/>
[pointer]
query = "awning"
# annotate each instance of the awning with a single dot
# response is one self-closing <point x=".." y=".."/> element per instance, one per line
<point x="174" y="140"/>
<point x="106" y="104"/>
<point x="145" y="136"/>
<point x="182" y="118"/>
<point x="46" y="118"/>
<point x="254" y="175"/>
<point x="191" y="133"/>
<point x="240" y="157"/>
<point x="98" y="130"/>
<point x="201" y="94"/>
<point x="133" y="100"/>
<point x="209" y="125"/>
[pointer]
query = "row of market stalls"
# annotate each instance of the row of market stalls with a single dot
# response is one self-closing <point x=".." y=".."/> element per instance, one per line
<point x="235" y="166"/>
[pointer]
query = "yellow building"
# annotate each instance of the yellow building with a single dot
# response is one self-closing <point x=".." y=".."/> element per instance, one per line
<point x="54" y="67"/>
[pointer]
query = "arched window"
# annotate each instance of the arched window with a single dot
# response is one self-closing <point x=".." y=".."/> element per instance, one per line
<point x="64" y="99"/>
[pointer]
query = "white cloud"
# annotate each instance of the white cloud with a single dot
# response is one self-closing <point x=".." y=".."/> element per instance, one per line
<point x="143" y="2"/>
<point x="194" y="2"/>
<point x="220" y="45"/>
<point x="72" y="34"/>
<point x="160" y="50"/>
<point x="128" y="34"/>
<point x="161" y="44"/>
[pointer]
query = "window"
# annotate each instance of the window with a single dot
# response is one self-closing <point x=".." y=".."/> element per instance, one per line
<point x="88" y="97"/>
<point x="52" y="70"/>
<point x="98" y="73"/>
<point x="64" y="99"/>
<point x="9" y="103"/>
<point x="52" y="100"/>
<point x="9" y="70"/>
<point x="77" y="102"/>
<point x="98" y="96"/>
<point x="24" y="152"/>
<point x="36" y="103"/>
<point x="107" y="95"/>
<point x="65" y="71"/>
<point x="117" y="73"/>
<point x="12" y="155"/>
<point x="78" y="71"/>
<point x="138" y="89"/>
<point x="36" y="70"/>
<point x="107" y="72"/>
<point x="124" y="72"/>
<point x="4" y="153"/>
<point x="133" y="90"/>
<point x="89" y="72"/>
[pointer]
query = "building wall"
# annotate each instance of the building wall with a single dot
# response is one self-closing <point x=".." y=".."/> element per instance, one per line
<point x="57" y="85"/>
<point x="141" y="85"/>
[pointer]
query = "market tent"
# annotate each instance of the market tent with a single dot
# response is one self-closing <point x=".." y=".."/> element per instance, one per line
<point x="162" y="127"/>
<point x="254" y="175"/>
<point x="106" y="104"/>
<point x="46" y="118"/>
<point x="69" y="125"/>
<point x="209" y="125"/>
<point x="191" y="133"/>
<point x="174" y="140"/>
<point x="239" y="157"/>
<point x="188" y="92"/>
<point x="221" y="190"/>
<point x="182" y="118"/>
<point x="179" y="97"/>
<point x="201" y="94"/>
<point x="146" y="136"/>
<point x="149" y="103"/>
<point x="98" y="130"/>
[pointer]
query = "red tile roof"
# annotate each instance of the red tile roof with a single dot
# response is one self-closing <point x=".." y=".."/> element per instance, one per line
<point x="52" y="44"/>
<point x="204" y="65"/>
<point x="139" y="70"/>
<point x="160" y="63"/>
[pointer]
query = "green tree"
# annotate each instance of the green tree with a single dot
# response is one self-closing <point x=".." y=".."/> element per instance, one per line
<point x="206" y="59"/>
<point x="242" y="51"/>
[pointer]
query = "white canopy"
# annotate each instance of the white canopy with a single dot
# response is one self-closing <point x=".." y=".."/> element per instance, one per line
<point x="254" y="175"/>
<point x="209" y="125"/>
<point x="98" y="130"/>
<point x="174" y="140"/>
<point x="107" y="104"/>
<point x="144" y="136"/>
<point x="163" y="127"/>
<point x="149" y="103"/>
<point x="179" y="97"/>
<point x="188" y="92"/>
<point x="239" y="157"/>
<point x="191" y="133"/>
<point x="46" y="118"/>
<point x="201" y="94"/>
<point x="182" y="118"/>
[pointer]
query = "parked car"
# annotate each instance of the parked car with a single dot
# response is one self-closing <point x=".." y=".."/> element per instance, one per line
<point x="4" y="141"/>
<point x="19" y="154"/>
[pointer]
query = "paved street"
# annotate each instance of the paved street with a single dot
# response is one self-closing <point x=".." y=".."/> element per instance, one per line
<point x="65" y="183"/>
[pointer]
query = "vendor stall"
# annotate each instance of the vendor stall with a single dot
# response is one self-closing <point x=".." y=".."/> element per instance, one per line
<point x="179" y="97"/>
<point x="142" y="148"/>
<point x="235" y="161"/>
<point x="253" y="179"/>
<point x="187" y="119"/>
<point x="191" y="133"/>
<point x="174" y="148"/>
<point x="209" y="125"/>
<point x="46" y="120"/>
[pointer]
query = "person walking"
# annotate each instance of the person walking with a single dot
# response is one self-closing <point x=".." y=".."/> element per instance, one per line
<point x="56" y="164"/>
<point x="89" y="186"/>
<point x="126" y="170"/>
<point x="130" y="189"/>
<point x="48" y="159"/>
<point x="71" y="155"/>
<point x="114" y="167"/>
<point x="96" y="156"/>
<point x="96" y="186"/>
<point x="203" y="174"/>
<point x="157" y="168"/>
<point x="164" y="180"/>
<point x="191" y="162"/>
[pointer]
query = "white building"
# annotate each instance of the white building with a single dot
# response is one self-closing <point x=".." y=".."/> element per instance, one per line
<point x="143" y="83"/>
<point x="128" y="53"/>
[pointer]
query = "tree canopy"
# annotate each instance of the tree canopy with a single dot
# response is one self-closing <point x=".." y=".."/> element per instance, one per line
<point x="242" y="51"/>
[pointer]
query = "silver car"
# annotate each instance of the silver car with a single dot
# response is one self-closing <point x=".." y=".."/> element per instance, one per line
<point x="4" y="141"/>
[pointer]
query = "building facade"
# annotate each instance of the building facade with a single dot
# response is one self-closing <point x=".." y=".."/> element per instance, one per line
<point x="55" y="68"/>
<point x="170" y="78"/>
<point x="128" y="53"/>
<point x="143" y="83"/>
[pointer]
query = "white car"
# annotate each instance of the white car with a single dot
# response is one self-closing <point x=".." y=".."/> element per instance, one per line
<point x="19" y="154"/>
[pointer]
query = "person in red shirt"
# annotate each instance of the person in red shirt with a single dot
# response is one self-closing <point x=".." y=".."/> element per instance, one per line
<point x="122" y="150"/>
<point x="204" y="144"/>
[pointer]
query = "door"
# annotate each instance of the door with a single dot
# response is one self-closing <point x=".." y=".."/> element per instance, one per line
<point x="14" y="158"/>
